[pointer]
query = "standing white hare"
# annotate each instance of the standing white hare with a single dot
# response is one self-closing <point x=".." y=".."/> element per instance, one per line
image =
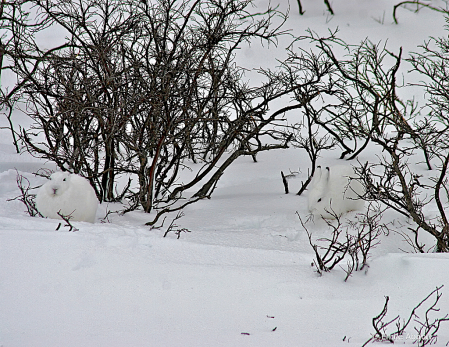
<point x="335" y="191"/>
<point x="68" y="194"/>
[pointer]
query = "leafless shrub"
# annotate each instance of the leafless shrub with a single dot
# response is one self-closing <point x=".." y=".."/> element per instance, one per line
<point x="326" y="2"/>
<point x="426" y="327"/>
<point x="311" y="142"/>
<point x="362" y="89"/>
<point x="351" y="239"/>
<point x="367" y="109"/>
<point x="143" y="90"/>
<point x="311" y="133"/>
<point x="368" y="228"/>
<point x="173" y="228"/>
<point x="333" y="251"/>
<point x="412" y="240"/>
<point x="26" y="197"/>
<point x="398" y="187"/>
<point x="393" y="181"/>
<point x="286" y="177"/>
<point x="67" y="224"/>
<point x="419" y="5"/>
<point x="354" y="101"/>
<point x="17" y="25"/>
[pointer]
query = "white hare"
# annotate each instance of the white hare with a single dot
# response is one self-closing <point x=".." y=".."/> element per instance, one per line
<point x="68" y="194"/>
<point x="335" y="191"/>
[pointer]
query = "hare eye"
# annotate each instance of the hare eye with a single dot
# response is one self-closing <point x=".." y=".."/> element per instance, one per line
<point x="65" y="179"/>
<point x="319" y="199"/>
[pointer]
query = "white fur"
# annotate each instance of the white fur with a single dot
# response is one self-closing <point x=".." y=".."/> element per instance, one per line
<point x="317" y="185"/>
<point x="335" y="192"/>
<point x="69" y="194"/>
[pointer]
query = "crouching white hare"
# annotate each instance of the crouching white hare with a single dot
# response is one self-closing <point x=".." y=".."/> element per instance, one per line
<point x="334" y="191"/>
<point x="68" y="194"/>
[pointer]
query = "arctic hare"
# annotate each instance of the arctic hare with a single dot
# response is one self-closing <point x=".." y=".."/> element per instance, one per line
<point x="68" y="194"/>
<point x="335" y="191"/>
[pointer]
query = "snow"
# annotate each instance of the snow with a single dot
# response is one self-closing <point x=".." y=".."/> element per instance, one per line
<point x="242" y="276"/>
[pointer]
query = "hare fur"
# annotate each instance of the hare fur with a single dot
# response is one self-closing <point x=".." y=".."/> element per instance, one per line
<point x="70" y="195"/>
<point x="335" y="191"/>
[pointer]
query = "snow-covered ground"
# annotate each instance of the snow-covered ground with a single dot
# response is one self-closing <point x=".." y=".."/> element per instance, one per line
<point x="242" y="276"/>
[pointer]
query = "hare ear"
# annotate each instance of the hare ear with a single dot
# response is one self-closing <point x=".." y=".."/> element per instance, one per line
<point x="326" y="175"/>
<point x="316" y="177"/>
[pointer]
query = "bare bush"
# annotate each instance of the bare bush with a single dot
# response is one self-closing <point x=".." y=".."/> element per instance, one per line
<point x="354" y="102"/>
<point x="393" y="181"/>
<point x="173" y="227"/>
<point x="417" y="6"/>
<point x="351" y="240"/>
<point x="147" y="91"/>
<point x="143" y="90"/>
<point x="25" y="196"/>
<point x="67" y="224"/>
<point x="138" y="89"/>
<point x="17" y="42"/>
<point x="326" y="2"/>
<point x="366" y="109"/>
<point x="425" y="330"/>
